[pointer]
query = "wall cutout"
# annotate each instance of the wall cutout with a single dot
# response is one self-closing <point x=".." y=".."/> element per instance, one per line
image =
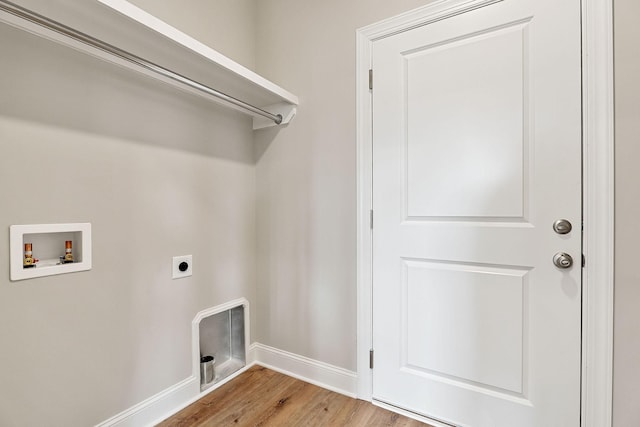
<point x="46" y="249"/>
<point x="221" y="341"/>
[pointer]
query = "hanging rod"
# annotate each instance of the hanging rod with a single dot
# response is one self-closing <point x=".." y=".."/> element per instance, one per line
<point x="64" y="30"/>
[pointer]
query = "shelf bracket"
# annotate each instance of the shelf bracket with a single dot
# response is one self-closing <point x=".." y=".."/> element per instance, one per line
<point x="287" y="111"/>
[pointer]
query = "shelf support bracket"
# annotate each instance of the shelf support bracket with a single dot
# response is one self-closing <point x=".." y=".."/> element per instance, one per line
<point x="287" y="111"/>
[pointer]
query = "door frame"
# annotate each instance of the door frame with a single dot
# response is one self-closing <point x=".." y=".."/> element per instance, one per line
<point x="598" y="195"/>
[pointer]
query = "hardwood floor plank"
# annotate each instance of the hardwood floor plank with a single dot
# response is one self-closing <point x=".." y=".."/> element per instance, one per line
<point x="261" y="397"/>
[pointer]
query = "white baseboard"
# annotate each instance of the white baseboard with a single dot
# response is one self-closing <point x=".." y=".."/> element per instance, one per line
<point x="177" y="397"/>
<point x="154" y="408"/>
<point x="312" y="371"/>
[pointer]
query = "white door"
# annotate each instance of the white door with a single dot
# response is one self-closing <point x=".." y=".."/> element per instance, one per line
<point x="476" y="153"/>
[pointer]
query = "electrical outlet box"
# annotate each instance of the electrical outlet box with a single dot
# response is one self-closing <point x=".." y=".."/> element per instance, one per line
<point x="182" y="266"/>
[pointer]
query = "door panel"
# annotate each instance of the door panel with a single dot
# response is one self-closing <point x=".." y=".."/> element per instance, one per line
<point x="476" y="152"/>
<point x="489" y="315"/>
<point x="469" y="105"/>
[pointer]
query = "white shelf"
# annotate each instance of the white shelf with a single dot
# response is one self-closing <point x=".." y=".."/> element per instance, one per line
<point x="49" y="243"/>
<point x="121" y="24"/>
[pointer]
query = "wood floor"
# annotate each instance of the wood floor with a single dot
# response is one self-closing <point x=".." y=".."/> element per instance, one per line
<point x="262" y="397"/>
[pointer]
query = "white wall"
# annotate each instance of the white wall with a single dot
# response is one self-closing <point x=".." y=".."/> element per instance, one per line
<point x="627" y="284"/>
<point x="306" y="288"/>
<point x="158" y="173"/>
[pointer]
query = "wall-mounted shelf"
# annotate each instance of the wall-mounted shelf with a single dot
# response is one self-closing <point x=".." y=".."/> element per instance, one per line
<point x="48" y="245"/>
<point x="121" y="25"/>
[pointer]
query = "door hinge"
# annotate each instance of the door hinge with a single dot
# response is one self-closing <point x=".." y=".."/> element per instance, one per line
<point x="584" y="261"/>
<point x="370" y="79"/>
<point x="371" y="219"/>
<point x="371" y="359"/>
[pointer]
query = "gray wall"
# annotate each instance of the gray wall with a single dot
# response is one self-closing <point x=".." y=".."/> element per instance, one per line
<point x="158" y="173"/>
<point x="226" y="25"/>
<point x="627" y="282"/>
<point x="306" y="288"/>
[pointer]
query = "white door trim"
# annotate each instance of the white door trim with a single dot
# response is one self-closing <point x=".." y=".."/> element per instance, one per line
<point x="597" y="316"/>
<point x="598" y="212"/>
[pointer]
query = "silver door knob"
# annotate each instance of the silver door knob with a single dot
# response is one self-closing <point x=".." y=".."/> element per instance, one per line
<point x="562" y="226"/>
<point x="562" y="260"/>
